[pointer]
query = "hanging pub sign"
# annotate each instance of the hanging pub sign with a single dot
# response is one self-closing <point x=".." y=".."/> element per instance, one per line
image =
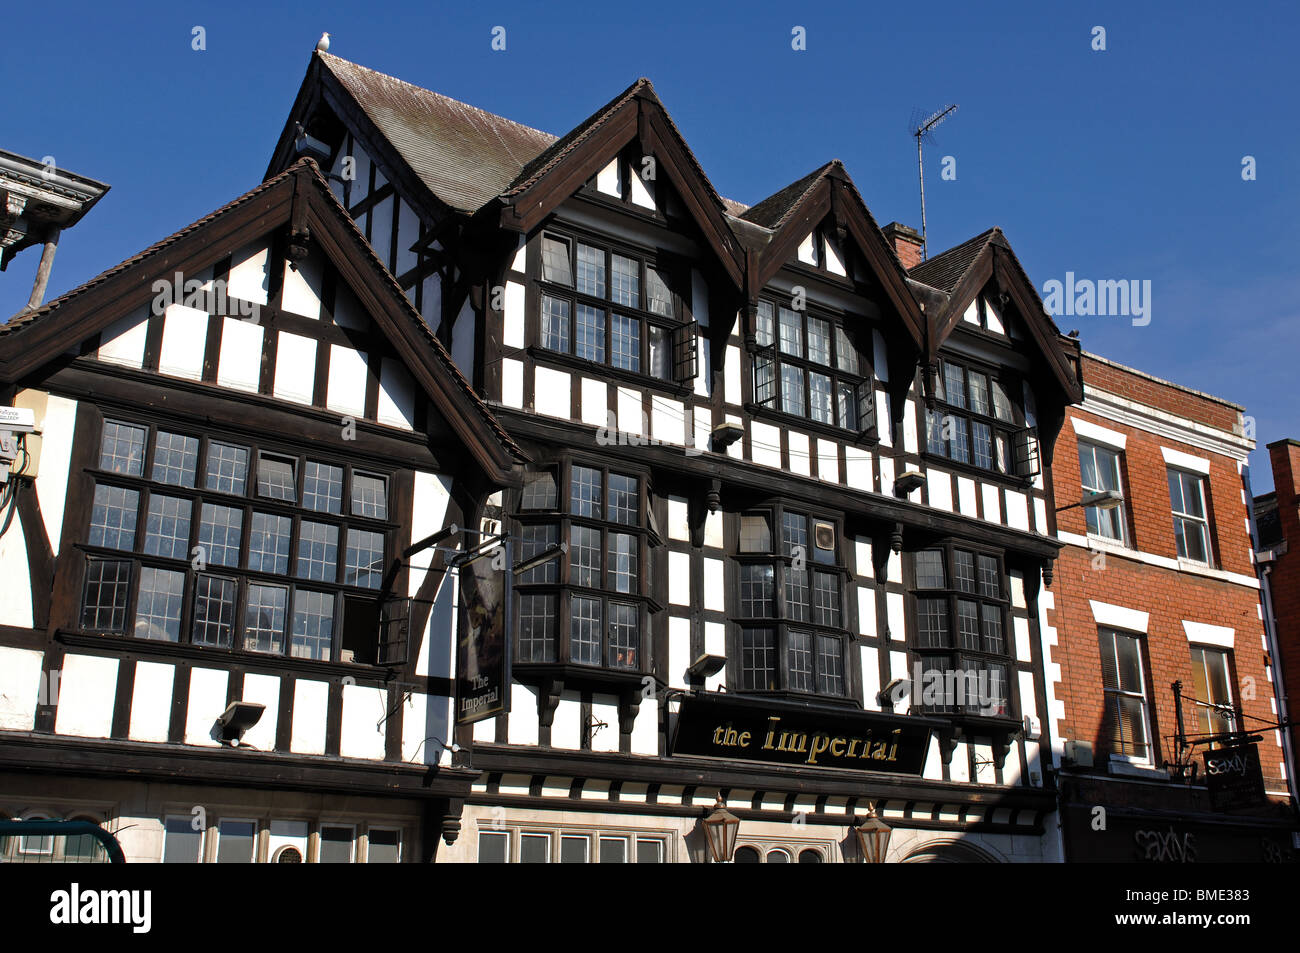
<point x="1234" y="778"/>
<point x="483" y="649"/>
<point x="804" y="736"/>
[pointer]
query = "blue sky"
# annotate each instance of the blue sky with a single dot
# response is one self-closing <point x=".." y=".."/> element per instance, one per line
<point x="1122" y="164"/>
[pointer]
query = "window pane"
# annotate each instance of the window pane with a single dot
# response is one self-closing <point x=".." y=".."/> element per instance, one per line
<point x="796" y="594"/>
<point x="1002" y="404"/>
<point x="235" y="841"/>
<point x="369" y="496"/>
<point x="810" y="856"/>
<point x="819" y="341"/>
<point x="107" y="583"/>
<point x="167" y="527"/>
<point x="778" y="856"/>
<point x="175" y="458"/>
<point x="791" y="332"/>
<point x="534" y="540"/>
<point x="764" y="330"/>
<point x="758" y="659"/>
<point x="991" y="628"/>
<point x="756" y="590"/>
<point x="649" y="851"/>
<point x="584" y="556"/>
<point x="539" y="492"/>
<point x="846" y="406"/>
<point x="846" y="355"/>
<point x="613" y="850"/>
<point x="623" y="504"/>
<point x="158" y="604"/>
<point x="931" y="623"/>
<point x="275" y="478"/>
<point x="660" y="352"/>
<point x="555" y="324"/>
<point x="964" y="570"/>
<point x="112" y="520"/>
<point x="591" y="333"/>
<point x="534" y="848"/>
<point x="794" y="534"/>
<point x="822" y="408"/>
<point x="318" y="551"/>
<point x="625" y="343"/>
<point x="954" y="385"/>
<point x="385" y="847"/>
<point x="979" y="392"/>
<point x="335" y="845"/>
<point x="537" y="616"/>
<point x="264" y="619"/>
<point x="935" y="441"/>
<point x="929" y="569"/>
<point x="122" y="450"/>
<point x="364" y="565"/>
<point x="826" y="588"/>
<point x="622" y="564"/>
<point x="747" y="855"/>
<point x="830" y="665"/>
<point x="982" y="444"/>
<point x="585" y="631"/>
<point x="799" y="659"/>
<point x="493" y="847"/>
<point x="268" y="543"/>
<point x="584" y="492"/>
<point x="990" y="579"/>
<point x="624" y="638"/>
<point x="220" y="531"/>
<point x="625" y="286"/>
<point x="227" y="468"/>
<point x="313" y="625"/>
<point x="573" y="850"/>
<point x="959" y="443"/>
<point x="555" y="261"/>
<point x="660" y="297"/>
<point x="181" y="841"/>
<point x="755" y="534"/>
<point x="591" y="271"/>
<point x="1129" y="663"/>
<point x="214" y="611"/>
<point x="322" y="487"/>
<point x="968" y="627"/>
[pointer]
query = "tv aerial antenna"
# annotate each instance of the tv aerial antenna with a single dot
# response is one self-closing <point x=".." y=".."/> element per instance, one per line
<point x="922" y="130"/>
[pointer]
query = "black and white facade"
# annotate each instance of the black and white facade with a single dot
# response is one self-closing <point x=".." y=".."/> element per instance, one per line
<point x="717" y="403"/>
<point x="240" y="431"/>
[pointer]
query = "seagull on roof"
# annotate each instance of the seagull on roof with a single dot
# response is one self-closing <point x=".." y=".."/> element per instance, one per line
<point x="323" y="45"/>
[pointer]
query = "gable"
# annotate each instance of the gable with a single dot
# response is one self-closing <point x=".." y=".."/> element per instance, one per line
<point x="290" y="305"/>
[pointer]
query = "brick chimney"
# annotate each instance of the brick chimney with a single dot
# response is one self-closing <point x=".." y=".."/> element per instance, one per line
<point x="906" y="242"/>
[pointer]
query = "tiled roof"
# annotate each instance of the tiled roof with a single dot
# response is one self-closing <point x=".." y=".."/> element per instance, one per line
<point x="772" y="212"/>
<point x="464" y="155"/>
<point x="945" y="269"/>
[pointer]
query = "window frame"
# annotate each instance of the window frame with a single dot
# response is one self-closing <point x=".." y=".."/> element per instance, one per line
<point x="1120" y="512"/>
<point x="248" y="504"/>
<point x="679" y="332"/>
<point x="1110" y="713"/>
<point x="954" y="655"/>
<point x="1182" y="518"/>
<point x="770" y="355"/>
<point x="565" y="588"/>
<point x="1205" y="712"/>
<point x="1019" y="460"/>
<point x="780" y="621"/>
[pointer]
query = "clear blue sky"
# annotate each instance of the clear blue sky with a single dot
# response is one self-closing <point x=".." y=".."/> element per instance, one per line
<point x="1123" y="164"/>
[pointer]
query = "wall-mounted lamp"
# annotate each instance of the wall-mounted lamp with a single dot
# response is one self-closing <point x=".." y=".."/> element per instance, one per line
<point x="894" y="692"/>
<point x="873" y="837"/>
<point x="237" y="719"/>
<point x="724" y="435"/>
<point x="721" y="828"/>
<point x="704" y="667"/>
<point x="909" y="481"/>
<point x="1102" y="499"/>
<point x="546" y="555"/>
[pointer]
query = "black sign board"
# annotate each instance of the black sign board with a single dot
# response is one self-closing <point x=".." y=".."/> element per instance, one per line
<point x="789" y="734"/>
<point x="483" y="651"/>
<point x="1234" y="778"/>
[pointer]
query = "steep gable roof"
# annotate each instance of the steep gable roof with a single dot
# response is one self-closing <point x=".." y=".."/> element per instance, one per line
<point x="945" y="269"/>
<point x="773" y="211"/>
<point x="300" y="193"/>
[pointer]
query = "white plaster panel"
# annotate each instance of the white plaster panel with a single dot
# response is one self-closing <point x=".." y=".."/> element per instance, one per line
<point x="87" y="691"/>
<point x="363" y="729"/>
<point x="295" y="368"/>
<point x="595" y="403"/>
<point x="240" y="365"/>
<point x="631" y="411"/>
<point x="151" y="702"/>
<point x="396" y="405"/>
<point x="765" y="441"/>
<point x="513" y="329"/>
<point x="207" y="701"/>
<point x="668" y="420"/>
<point x="184" y="339"/>
<point x="20" y="687"/>
<point x="346" y="388"/>
<point x="310" y="710"/>
<point x="301" y="291"/>
<point x="512" y="382"/>
<point x="261" y="690"/>
<point x="679" y="578"/>
<point x="122" y="342"/>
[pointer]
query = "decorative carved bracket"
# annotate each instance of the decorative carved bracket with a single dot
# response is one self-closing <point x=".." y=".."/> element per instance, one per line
<point x="451" y="821"/>
<point x="948" y="738"/>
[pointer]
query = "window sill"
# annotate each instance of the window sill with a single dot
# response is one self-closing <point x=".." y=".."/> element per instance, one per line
<point x="759" y="412"/>
<point x="1144" y="769"/>
<point x="989" y="476"/>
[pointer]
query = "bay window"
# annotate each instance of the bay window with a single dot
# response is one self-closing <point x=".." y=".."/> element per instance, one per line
<point x="976" y="422"/>
<point x="959" y="633"/>
<point x="220" y="543"/>
<point x="589" y="606"/>
<point x="789" y="619"/>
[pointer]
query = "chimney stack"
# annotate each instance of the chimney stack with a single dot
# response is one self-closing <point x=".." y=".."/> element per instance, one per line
<point x="907" y="243"/>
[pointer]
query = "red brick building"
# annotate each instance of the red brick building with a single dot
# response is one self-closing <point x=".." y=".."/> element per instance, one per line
<point x="1156" y="585"/>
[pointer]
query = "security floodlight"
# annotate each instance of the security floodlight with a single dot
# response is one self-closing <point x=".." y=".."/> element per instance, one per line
<point x="237" y="719"/>
<point x="705" y="666"/>
<point x="894" y="692"/>
<point x="908" y="482"/>
<point x="725" y="434"/>
<point x="1101" y="499"/>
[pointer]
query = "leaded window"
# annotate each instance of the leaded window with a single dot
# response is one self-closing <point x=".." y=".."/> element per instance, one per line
<point x="220" y="544"/>
<point x="975" y="422"/>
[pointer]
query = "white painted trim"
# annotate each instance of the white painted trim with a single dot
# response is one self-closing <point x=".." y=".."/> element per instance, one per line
<point x="1164" y="424"/>
<point x="1112" y="548"/>
<point x="1120" y="617"/>
<point x="1092" y="432"/>
<point x="1185" y="461"/>
<point x="1203" y="633"/>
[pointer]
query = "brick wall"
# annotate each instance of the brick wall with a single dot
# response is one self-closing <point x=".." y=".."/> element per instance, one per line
<point x="1285" y="458"/>
<point x="1161" y="395"/>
